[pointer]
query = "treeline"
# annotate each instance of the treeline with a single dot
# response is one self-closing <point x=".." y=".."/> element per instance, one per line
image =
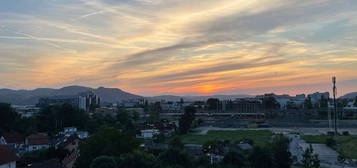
<point x="53" y="119"/>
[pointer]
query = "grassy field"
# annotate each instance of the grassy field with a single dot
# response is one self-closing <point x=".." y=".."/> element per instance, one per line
<point x="260" y="137"/>
<point x="347" y="145"/>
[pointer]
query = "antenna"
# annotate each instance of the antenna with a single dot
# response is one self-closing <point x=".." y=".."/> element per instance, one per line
<point x="334" y="102"/>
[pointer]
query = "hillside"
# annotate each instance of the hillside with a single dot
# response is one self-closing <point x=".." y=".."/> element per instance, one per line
<point x="30" y="97"/>
<point x="350" y="95"/>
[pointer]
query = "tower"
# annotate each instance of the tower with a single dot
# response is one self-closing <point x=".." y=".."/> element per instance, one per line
<point x="334" y="102"/>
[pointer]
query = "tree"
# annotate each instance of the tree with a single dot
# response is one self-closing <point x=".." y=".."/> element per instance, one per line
<point x="186" y="119"/>
<point x="280" y="153"/>
<point x="310" y="160"/>
<point x="213" y="104"/>
<point x="104" y="162"/>
<point x="54" y="118"/>
<point x="330" y="142"/>
<point x="355" y="103"/>
<point x="269" y="102"/>
<point x="175" y="156"/>
<point x="126" y="122"/>
<point x="233" y="159"/>
<point x="10" y="120"/>
<point x="106" y="142"/>
<point x="261" y="158"/>
<point x="308" y="103"/>
<point x="154" y="112"/>
<point x="137" y="159"/>
<point x="323" y="102"/>
<point x="8" y="117"/>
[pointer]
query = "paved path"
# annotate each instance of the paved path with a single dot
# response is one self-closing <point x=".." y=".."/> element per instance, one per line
<point x="305" y="131"/>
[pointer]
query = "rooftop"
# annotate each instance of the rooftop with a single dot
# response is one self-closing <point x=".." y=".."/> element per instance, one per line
<point x="7" y="155"/>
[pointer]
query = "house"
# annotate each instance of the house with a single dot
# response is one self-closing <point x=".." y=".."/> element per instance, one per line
<point x="2" y="140"/>
<point x="8" y="158"/>
<point x="37" y="141"/>
<point x="13" y="139"/>
<point x="69" y="130"/>
<point x="149" y="133"/>
<point x="82" y="134"/>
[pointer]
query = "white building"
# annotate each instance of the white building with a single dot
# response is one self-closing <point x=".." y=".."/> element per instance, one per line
<point x="69" y="130"/>
<point x="82" y="134"/>
<point x="149" y="133"/>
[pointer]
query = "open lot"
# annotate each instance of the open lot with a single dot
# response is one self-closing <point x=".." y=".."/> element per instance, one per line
<point x="259" y="137"/>
<point x="346" y="145"/>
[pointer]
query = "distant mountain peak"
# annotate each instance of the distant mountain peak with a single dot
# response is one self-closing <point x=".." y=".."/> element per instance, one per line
<point x="30" y="97"/>
<point x="351" y="95"/>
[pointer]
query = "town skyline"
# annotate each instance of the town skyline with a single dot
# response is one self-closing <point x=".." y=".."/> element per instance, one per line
<point x="77" y="87"/>
<point x="154" y="47"/>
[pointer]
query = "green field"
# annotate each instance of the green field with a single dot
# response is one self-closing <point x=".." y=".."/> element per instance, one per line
<point x="260" y="137"/>
<point x="347" y="145"/>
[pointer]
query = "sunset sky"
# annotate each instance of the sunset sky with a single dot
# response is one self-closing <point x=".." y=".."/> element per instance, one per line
<point x="183" y="47"/>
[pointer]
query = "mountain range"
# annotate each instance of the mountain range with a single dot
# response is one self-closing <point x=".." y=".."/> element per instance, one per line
<point x="109" y="95"/>
<point x="352" y="95"/>
<point x="30" y="97"/>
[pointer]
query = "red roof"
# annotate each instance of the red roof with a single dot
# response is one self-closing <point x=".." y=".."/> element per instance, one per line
<point x="7" y="155"/>
<point x="38" y="139"/>
<point x="13" y="138"/>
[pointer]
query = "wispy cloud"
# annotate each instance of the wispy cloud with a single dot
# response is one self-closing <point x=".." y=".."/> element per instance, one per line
<point x="178" y="46"/>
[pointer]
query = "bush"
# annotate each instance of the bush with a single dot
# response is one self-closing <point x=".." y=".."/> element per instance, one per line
<point x="330" y="142"/>
<point x="345" y="133"/>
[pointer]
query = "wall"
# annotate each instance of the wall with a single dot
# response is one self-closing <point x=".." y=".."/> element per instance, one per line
<point x="10" y="165"/>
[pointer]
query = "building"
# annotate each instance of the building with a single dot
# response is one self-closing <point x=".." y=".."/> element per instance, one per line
<point x="171" y="107"/>
<point x="242" y="105"/>
<point x="107" y="111"/>
<point x="130" y="103"/>
<point x="59" y="100"/>
<point x="87" y="101"/>
<point x="37" y="141"/>
<point x="13" y="139"/>
<point x="138" y="110"/>
<point x="149" y="133"/>
<point x="26" y="111"/>
<point x="7" y="157"/>
<point x="316" y="97"/>
<point x="69" y="131"/>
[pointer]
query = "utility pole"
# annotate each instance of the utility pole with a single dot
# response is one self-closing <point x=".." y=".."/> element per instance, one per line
<point x="334" y="102"/>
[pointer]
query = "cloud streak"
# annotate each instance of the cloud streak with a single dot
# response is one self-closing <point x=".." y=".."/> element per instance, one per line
<point x="179" y="46"/>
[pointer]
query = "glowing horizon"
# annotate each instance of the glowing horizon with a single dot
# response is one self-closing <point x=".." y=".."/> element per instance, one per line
<point x="152" y="47"/>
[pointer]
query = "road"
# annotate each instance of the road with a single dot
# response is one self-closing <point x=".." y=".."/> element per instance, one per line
<point x="305" y="131"/>
<point x="327" y="156"/>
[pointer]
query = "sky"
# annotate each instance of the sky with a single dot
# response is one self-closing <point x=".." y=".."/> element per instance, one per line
<point x="181" y="47"/>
